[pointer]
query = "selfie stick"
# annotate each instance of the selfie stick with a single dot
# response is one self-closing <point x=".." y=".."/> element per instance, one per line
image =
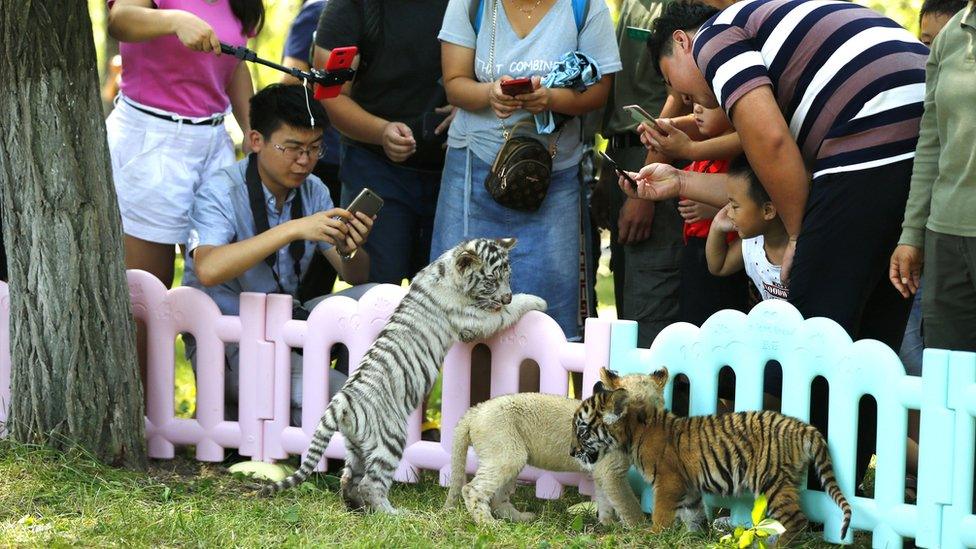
<point x="317" y="76"/>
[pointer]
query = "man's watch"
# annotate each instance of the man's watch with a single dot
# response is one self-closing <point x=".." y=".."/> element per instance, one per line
<point x="346" y="256"/>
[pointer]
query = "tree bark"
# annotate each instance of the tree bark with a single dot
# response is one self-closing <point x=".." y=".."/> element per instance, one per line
<point x="74" y="378"/>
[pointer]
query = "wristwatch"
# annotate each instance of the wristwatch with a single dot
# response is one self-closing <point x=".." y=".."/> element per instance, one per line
<point x="348" y="255"/>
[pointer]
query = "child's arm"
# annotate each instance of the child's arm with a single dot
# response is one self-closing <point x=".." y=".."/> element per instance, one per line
<point x="677" y="144"/>
<point x="724" y="147"/>
<point x="723" y="258"/>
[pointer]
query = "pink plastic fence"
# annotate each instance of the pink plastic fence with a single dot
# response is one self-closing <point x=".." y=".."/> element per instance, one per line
<point x="267" y="333"/>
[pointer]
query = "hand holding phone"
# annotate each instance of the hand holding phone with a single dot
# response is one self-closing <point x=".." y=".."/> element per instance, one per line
<point x="639" y="115"/>
<point x="517" y="86"/>
<point x="610" y="162"/>
<point x="339" y="58"/>
<point x="367" y="202"/>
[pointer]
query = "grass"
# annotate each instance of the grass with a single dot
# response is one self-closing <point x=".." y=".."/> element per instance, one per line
<point x="54" y="500"/>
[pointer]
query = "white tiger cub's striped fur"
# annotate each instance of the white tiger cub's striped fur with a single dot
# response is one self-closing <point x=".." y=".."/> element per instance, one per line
<point x="463" y="295"/>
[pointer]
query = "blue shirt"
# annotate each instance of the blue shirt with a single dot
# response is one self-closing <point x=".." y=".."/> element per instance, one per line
<point x="532" y="55"/>
<point x="298" y="45"/>
<point x="221" y="214"/>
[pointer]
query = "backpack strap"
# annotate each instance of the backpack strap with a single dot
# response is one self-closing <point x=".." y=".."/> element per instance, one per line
<point x="476" y="11"/>
<point x="581" y="8"/>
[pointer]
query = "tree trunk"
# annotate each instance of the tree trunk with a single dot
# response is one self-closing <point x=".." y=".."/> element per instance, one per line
<point x="74" y="378"/>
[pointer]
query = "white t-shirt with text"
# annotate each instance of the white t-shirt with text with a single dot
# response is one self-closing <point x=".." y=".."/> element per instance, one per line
<point x="761" y="271"/>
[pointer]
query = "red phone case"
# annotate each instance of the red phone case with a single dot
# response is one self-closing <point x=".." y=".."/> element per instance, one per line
<point x="517" y="86"/>
<point x="339" y="58"/>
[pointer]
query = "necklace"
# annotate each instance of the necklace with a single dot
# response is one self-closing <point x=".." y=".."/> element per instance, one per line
<point x="527" y="12"/>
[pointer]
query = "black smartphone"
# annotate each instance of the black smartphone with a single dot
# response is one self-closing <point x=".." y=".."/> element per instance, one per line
<point x="616" y="168"/>
<point x="367" y="202"/>
<point x="429" y="123"/>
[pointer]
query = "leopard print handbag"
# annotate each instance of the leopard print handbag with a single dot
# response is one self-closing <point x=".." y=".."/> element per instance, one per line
<point x="519" y="176"/>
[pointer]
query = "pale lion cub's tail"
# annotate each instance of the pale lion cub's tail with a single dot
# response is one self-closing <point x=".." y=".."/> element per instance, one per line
<point x="459" y="459"/>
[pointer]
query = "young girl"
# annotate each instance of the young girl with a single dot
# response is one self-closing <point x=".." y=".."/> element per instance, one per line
<point x="166" y="134"/>
<point x="763" y="242"/>
<point x="702" y="294"/>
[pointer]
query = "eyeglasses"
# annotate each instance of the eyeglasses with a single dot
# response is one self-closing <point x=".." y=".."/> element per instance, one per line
<point x="292" y="153"/>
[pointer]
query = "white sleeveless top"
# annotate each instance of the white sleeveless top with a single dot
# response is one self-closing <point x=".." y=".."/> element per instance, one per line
<point x="763" y="274"/>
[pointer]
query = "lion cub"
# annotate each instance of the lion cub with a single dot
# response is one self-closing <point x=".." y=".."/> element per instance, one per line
<point x="511" y="431"/>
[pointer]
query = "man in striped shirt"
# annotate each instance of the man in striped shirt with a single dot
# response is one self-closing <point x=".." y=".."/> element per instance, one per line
<point x="815" y="89"/>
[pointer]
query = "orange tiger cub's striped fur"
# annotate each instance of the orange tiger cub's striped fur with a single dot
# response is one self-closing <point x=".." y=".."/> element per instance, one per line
<point x="729" y="454"/>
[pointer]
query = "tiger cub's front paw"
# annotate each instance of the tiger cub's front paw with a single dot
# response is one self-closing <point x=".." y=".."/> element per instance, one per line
<point x="532" y="302"/>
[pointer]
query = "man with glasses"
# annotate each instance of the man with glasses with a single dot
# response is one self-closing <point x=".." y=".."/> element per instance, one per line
<point x="256" y="225"/>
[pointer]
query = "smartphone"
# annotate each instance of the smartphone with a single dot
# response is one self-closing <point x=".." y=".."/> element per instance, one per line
<point x="621" y="173"/>
<point x="429" y="123"/>
<point x="367" y="202"/>
<point x="640" y="116"/>
<point x="639" y="34"/>
<point x="517" y="86"/>
<point x="339" y="58"/>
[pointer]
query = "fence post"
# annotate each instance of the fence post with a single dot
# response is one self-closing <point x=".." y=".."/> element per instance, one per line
<point x="277" y="312"/>
<point x="147" y="296"/>
<point x="935" y="449"/>
<point x="256" y="369"/>
<point x="958" y="524"/>
<point x="455" y="400"/>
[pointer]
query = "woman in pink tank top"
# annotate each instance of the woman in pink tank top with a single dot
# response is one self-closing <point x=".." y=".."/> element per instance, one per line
<point x="166" y="134"/>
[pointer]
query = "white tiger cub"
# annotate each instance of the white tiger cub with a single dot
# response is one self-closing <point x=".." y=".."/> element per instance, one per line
<point x="464" y="294"/>
<point x="511" y="431"/>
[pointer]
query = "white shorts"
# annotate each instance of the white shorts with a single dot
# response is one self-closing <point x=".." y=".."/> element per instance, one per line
<point x="157" y="166"/>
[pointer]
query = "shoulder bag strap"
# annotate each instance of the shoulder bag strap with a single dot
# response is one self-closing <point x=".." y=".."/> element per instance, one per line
<point x="259" y="212"/>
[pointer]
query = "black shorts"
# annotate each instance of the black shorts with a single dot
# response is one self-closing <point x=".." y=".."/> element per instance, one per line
<point x="840" y="271"/>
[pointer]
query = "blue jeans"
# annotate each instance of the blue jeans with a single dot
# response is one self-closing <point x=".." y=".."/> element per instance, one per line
<point x="912" y="345"/>
<point x="545" y="261"/>
<point x="399" y="244"/>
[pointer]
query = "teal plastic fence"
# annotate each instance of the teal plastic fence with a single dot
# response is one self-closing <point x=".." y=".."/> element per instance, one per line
<point x="775" y="331"/>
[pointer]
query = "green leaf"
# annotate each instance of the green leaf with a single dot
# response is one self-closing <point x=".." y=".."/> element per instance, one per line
<point x="739" y="530"/>
<point x="291" y="515"/>
<point x="759" y="509"/>
<point x="577" y="524"/>
<point x="27" y="520"/>
<point x="746" y="539"/>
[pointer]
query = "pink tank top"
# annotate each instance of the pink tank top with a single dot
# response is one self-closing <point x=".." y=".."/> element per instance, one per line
<point x="165" y="74"/>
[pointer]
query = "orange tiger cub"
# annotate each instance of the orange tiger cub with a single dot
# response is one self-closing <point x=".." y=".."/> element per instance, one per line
<point x="729" y="454"/>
